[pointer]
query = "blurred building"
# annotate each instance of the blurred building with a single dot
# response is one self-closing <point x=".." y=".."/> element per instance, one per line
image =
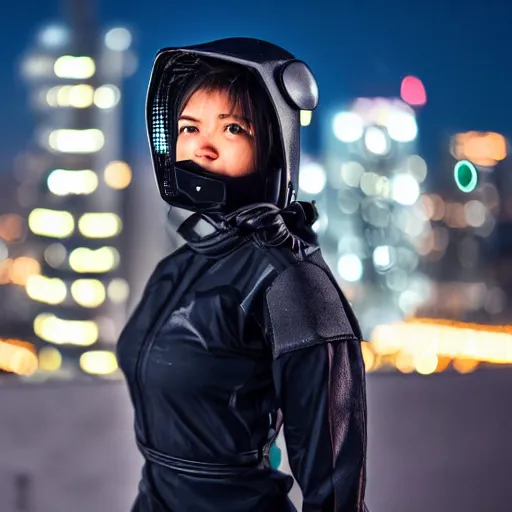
<point x="464" y="321"/>
<point x="17" y="263"/>
<point x="371" y="223"/>
<point x="74" y="186"/>
<point x="467" y="209"/>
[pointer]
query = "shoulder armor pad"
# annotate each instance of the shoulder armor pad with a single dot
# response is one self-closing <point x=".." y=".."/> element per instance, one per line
<point x="305" y="309"/>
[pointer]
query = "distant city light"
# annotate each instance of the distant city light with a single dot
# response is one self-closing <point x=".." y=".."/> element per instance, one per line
<point x="68" y="66"/>
<point x="402" y="126"/>
<point x="77" y="141"/>
<point x="12" y="227"/>
<point x="118" y="290"/>
<point x="475" y="213"/>
<point x="348" y="127"/>
<point x="50" y="359"/>
<point x="405" y="189"/>
<point x="63" y="182"/>
<point x="46" y="289"/>
<point x="54" y="36"/>
<point x="17" y="357"/>
<point x="60" y="331"/>
<point x="312" y="178"/>
<point x="417" y="167"/>
<point x="376" y="141"/>
<point x="118" y="39"/>
<point x="321" y="225"/>
<point x="89" y="293"/>
<point x="481" y="148"/>
<point x="118" y="175"/>
<point x="86" y="261"/>
<point x="419" y="344"/>
<point x="55" y="255"/>
<point x="19" y="270"/>
<point x="412" y="91"/>
<point x="38" y="66"/>
<point x="368" y="183"/>
<point x="383" y="257"/>
<point x="4" y="250"/>
<point x="77" y="96"/>
<point x="51" y="223"/>
<point x="351" y="173"/>
<point x="100" y="225"/>
<point x="466" y="176"/>
<point x="107" y="96"/>
<point x="98" y="362"/>
<point x="350" y="267"/>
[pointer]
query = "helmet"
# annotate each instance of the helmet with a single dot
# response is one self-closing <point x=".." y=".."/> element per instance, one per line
<point x="288" y="84"/>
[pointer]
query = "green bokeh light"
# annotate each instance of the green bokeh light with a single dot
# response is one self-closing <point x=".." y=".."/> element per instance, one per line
<point x="466" y="176"/>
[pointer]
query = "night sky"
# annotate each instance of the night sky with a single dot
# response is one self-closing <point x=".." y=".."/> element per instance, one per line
<point x="460" y="49"/>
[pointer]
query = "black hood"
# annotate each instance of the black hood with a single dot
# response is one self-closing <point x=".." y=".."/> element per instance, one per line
<point x="290" y="87"/>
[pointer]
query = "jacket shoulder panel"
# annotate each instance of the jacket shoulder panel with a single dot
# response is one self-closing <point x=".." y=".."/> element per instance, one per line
<point x="305" y="308"/>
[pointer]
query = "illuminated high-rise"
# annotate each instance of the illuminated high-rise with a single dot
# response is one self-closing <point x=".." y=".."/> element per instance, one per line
<point x="374" y="220"/>
<point x="75" y="74"/>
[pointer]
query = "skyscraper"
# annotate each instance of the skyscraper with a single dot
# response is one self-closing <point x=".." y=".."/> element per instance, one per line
<point x="375" y="221"/>
<point x="75" y="73"/>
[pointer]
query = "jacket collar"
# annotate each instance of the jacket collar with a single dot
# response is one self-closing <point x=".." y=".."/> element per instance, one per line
<point x="263" y="223"/>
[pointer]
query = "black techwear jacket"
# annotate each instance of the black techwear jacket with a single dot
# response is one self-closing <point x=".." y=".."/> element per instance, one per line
<point x="234" y="331"/>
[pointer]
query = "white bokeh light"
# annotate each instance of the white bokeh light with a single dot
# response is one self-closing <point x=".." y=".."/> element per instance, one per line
<point x="475" y="213"/>
<point x="377" y="141"/>
<point x="107" y="96"/>
<point x="417" y="167"/>
<point x="402" y="126"/>
<point x="54" y="36"/>
<point x="405" y="189"/>
<point x="4" y="250"/>
<point x="320" y="226"/>
<point x="382" y="257"/>
<point x="350" y="268"/>
<point x="118" y="39"/>
<point x="312" y="178"/>
<point x="351" y="173"/>
<point x="348" y="127"/>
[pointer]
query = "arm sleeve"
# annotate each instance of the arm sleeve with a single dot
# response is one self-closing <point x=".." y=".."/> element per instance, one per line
<point x="320" y="383"/>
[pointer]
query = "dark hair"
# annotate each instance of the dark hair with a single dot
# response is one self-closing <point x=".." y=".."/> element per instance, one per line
<point x="249" y="97"/>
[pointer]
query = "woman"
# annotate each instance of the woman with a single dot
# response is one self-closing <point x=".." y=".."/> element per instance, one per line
<point x="243" y="326"/>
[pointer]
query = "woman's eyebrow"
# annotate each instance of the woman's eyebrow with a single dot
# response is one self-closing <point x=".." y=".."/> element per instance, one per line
<point x="221" y="116"/>
<point x="189" y="118"/>
<point x="234" y="116"/>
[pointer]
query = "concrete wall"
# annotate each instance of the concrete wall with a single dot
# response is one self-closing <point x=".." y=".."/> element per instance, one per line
<point x="440" y="443"/>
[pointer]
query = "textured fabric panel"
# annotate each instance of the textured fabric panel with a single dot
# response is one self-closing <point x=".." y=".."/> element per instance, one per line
<point x="321" y="394"/>
<point x="305" y="309"/>
<point x="316" y="257"/>
<point x="347" y="420"/>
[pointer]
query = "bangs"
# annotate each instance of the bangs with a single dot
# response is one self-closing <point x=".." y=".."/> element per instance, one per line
<point x="248" y="100"/>
<point x="236" y="88"/>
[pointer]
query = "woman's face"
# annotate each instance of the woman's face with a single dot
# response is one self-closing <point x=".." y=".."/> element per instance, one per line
<point x="215" y="136"/>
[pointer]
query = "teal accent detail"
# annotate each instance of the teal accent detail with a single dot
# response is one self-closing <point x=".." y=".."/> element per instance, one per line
<point x="275" y="456"/>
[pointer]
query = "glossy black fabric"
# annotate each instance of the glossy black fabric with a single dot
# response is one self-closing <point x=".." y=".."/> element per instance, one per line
<point x="197" y="355"/>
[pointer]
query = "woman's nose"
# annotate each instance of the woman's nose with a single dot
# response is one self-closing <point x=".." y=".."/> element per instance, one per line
<point x="206" y="149"/>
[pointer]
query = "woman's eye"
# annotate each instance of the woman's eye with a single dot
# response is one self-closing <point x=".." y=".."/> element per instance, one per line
<point x="235" y="129"/>
<point x="188" y="129"/>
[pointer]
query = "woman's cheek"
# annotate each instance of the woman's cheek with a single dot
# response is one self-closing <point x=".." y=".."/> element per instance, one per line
<point x="182" y="149"/>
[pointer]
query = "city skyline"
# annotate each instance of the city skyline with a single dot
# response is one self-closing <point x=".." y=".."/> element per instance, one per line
<point x="354" y="50"/>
